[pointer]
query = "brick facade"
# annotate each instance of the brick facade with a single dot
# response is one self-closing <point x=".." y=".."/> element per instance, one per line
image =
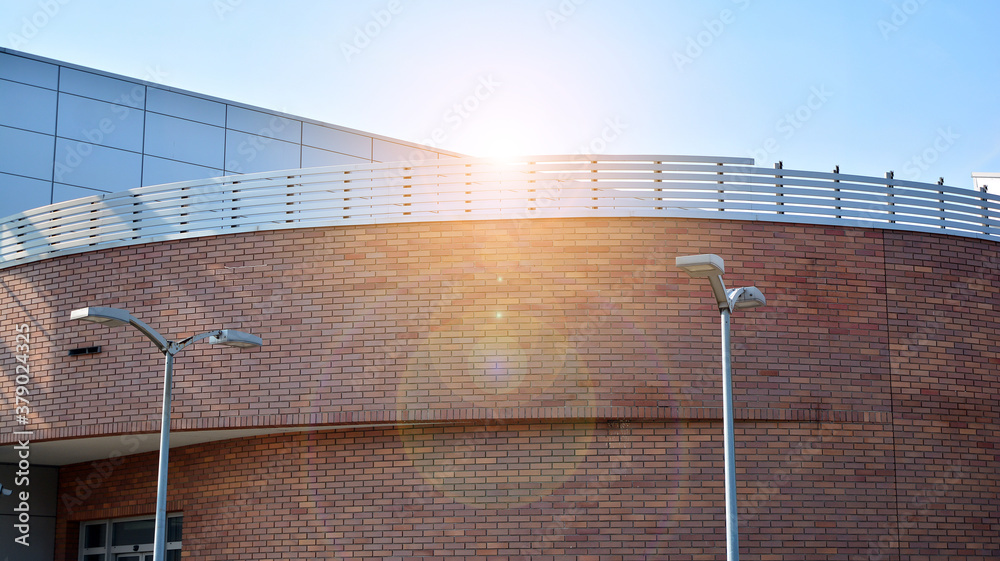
<point x="536" y="389"/>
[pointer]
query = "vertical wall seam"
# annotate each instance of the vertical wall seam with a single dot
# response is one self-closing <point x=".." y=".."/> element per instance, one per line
<point x="55" y="137"/>
<point x="892" y="396"/>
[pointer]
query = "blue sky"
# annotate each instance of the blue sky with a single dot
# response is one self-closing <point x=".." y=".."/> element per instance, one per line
<point x="869" y="85"/>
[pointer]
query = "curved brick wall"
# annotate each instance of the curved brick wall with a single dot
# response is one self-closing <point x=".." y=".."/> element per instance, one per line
<point x="496" y="353"/>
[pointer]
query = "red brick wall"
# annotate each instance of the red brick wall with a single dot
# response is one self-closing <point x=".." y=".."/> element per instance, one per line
<point x="946" y="405"/>
<point x="432" y="317"/>
<point x="866" y="390"/>
<point x="541" y="491"/>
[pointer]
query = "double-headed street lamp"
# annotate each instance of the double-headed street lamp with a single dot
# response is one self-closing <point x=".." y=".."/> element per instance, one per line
<point x="229" y="337"/>
<point x="712" y="267"/>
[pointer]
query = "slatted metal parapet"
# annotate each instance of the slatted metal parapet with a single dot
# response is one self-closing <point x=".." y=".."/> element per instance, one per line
<point x="568" y="186"/>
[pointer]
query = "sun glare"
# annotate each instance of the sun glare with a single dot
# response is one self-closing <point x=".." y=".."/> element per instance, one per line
<point x="501" y="145"/>
<point x="504" y="135"/>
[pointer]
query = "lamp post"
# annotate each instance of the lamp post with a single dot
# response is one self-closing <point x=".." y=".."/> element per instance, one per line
<point x="712" y="267"/>
<point x="113" y="317"/>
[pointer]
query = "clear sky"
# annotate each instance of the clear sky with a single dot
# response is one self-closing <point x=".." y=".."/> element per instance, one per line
<point x="869" y="85"/>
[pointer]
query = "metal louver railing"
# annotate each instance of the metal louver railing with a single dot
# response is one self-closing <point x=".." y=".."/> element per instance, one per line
<point x="486" y="189"/>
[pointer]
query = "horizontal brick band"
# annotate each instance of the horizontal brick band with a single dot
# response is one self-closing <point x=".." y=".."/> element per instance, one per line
<point x="465" y="416"/>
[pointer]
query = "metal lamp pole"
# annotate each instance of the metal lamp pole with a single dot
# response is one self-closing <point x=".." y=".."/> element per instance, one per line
<point x="229" y="337"/>
<point x="712" y="267"/>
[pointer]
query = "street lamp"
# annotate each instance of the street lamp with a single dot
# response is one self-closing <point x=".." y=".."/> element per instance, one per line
<point x="712" y="267"/>
<point x="112" y="317"/>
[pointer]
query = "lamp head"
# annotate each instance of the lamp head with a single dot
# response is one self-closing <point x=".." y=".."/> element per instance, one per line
<point x="234" y="338"/>
<point x="704" y="265"/>
<point x="99" y="314"/>
<point x="746" y="298"/>
<point x="710" y="266"/>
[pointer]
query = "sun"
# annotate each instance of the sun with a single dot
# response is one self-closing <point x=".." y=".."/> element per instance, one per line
<point x="502" y="144"/>
<point x="504" y="133"/>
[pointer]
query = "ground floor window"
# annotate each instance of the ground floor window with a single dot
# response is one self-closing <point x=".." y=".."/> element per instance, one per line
<point x="127" y="539"/>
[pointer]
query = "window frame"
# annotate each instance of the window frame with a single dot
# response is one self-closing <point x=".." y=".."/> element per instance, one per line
<point x="110" y="551"/>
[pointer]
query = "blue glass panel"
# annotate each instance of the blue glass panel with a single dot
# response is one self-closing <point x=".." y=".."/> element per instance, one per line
<point x="103" y="88"/>
<point x="186" y="106"/>
<point x="18" y="194"/>
<point x="27" y="107"/>
<point x="29" y="71"/>
<point x="96" y="167"/>
<point x="26" y="153"/>
<point x="156" y="171"/>
<point x="384" y="151"/>
<point x="336" y="140"/>
<point x="188" y="141"/>
<point x="98" y="122"/>
<point x="247" y="153"/>
<point x="314" y="157"/>
<point x="62" y="192"/>
<point x="264" y="124"/>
